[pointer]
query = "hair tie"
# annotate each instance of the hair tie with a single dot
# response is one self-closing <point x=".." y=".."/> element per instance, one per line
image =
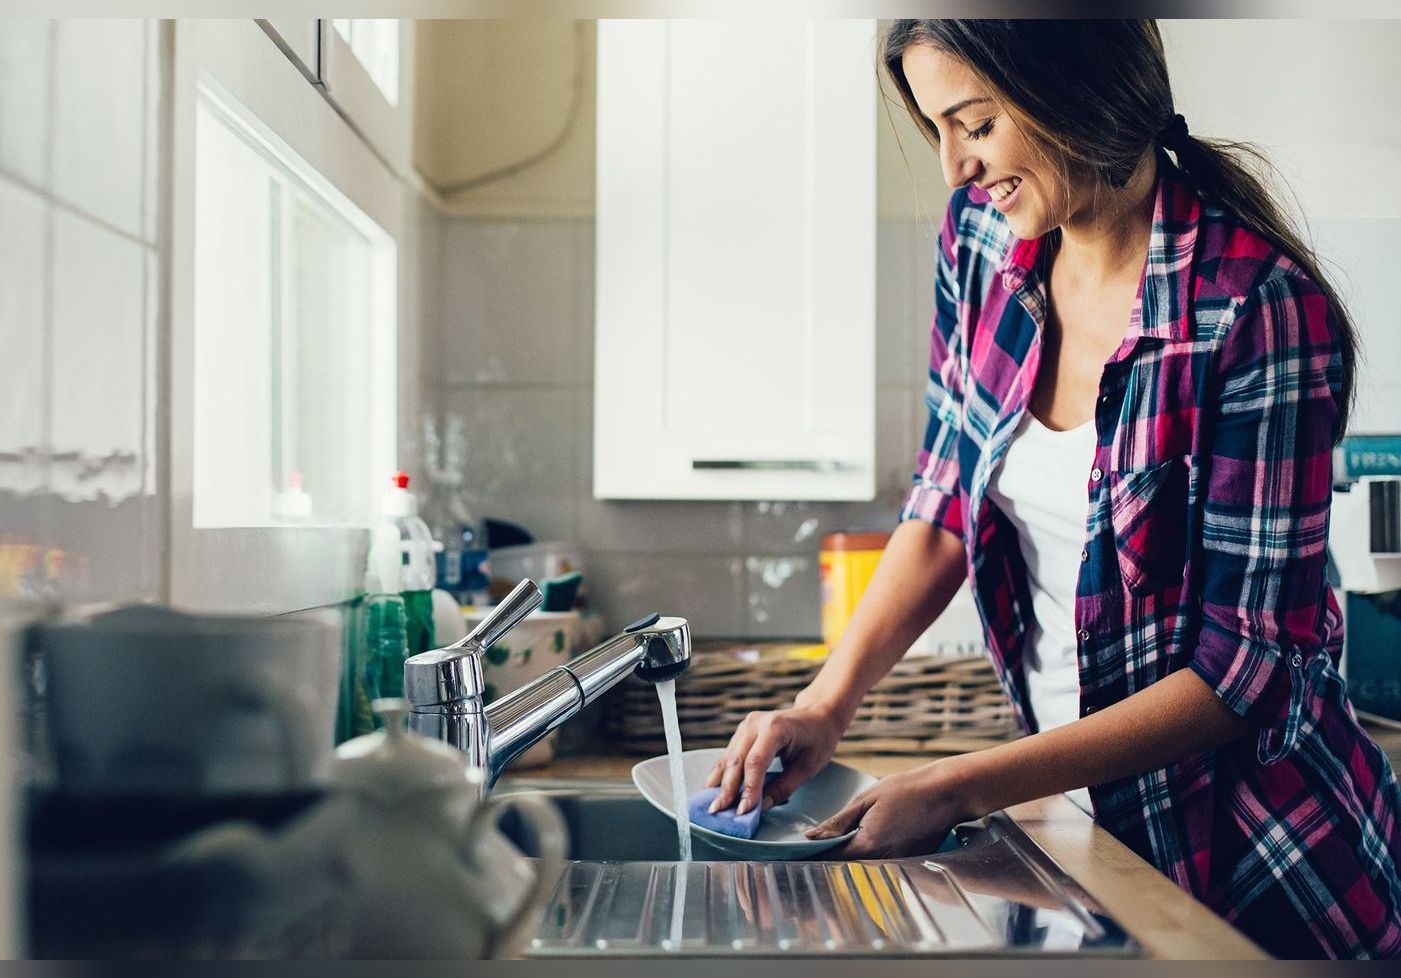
<point x="1174" y="133"/>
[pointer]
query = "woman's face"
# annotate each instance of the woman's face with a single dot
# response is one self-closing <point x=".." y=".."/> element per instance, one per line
<point x="980" y="144"/>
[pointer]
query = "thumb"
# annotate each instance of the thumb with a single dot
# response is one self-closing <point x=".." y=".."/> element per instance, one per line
<point x="842" y="822"/>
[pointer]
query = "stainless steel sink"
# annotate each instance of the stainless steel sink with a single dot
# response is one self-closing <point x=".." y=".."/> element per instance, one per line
<point x="989" y="890"/>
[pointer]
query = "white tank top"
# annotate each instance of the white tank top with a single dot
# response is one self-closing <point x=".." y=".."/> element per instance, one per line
<point x="1042" y="486"/>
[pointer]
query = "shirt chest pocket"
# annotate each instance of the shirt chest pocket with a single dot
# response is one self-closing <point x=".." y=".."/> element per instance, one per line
<point x="1148" y="510"/>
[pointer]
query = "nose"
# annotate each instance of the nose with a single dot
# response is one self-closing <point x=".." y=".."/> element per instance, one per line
<point x="960" y="166"/>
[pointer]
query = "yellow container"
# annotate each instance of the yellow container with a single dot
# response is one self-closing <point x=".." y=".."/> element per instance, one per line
<point x="846" y="563"/>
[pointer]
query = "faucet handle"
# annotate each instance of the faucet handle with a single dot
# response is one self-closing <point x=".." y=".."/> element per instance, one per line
<point x="524" y="598"/>
<point x="453" y="675"/>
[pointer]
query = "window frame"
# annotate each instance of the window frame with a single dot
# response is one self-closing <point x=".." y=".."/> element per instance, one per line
<point x="256" y="569"/>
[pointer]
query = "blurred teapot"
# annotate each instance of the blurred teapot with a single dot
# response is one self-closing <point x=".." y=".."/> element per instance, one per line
<point x="412" y="854"/>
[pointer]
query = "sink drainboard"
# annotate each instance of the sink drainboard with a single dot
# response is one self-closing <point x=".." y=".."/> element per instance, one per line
<point x="995" y="893"/>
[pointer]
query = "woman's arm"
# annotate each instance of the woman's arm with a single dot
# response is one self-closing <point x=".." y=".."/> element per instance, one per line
<point x="921" y="569"/>
<point x="918" y="574"/>
<point x="1173" y="719"/>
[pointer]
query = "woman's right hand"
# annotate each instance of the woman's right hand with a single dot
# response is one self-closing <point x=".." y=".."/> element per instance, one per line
<point x="804" y="737"/>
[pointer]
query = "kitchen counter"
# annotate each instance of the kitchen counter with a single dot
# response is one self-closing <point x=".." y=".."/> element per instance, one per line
<point x="1164" y="919"/>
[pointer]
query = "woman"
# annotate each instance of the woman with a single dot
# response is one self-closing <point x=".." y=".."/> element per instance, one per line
<point x="1137" y="377"/>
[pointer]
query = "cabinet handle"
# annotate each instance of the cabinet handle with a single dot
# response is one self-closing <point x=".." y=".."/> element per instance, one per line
<point x="773" y="464"/>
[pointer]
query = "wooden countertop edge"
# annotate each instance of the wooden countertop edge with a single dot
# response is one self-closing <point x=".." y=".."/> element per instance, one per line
<point x="1167" y="921"/>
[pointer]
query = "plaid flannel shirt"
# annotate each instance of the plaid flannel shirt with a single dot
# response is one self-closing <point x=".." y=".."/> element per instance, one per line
<point x="1204" y="549"/>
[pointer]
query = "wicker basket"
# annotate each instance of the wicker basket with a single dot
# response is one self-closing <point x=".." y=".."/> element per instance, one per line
<point x="924" y="705"/>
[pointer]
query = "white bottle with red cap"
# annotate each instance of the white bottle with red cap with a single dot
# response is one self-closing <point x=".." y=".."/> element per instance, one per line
<point x="418" y="571"/>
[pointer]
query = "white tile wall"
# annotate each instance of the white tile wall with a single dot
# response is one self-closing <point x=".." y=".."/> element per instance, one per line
<point x="79" y="288"/>
<point x="24" y="98"/>
<point x="518" y="363"/>
<point x="100" y="332"/>
<point x="23" y="216"/>
<point x="99" y="119"/>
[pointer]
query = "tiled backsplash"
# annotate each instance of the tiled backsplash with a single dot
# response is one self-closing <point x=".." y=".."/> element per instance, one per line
<point x="516" y="362"/>
<point x="80" y="512"/>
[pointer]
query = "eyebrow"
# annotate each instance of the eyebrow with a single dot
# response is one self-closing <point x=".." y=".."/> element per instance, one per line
<point x="959" y="106"/>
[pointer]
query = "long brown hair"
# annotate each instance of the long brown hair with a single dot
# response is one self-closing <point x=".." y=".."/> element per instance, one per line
<point x="1095" y="93"/>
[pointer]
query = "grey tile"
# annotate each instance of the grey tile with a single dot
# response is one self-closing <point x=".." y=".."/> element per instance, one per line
<point x="894" y="301"/>
<point x="705" y="590"/>
<point x="522" y="456"/>
<point x="900" y="417"/>
<point x="26" y="542"/>
<point x="647" y="526"/>
<point x="783" y="597"/>
<point x="787" y="527"/>
<point x="25" y="54"/>
<point x="103" y="552"/>
<point x="99" y="107"/>
<point x="584" y="259"/>
<point x="100" y="331"/>
<point x="924" y="242"/>
<point x="510" y="310"/>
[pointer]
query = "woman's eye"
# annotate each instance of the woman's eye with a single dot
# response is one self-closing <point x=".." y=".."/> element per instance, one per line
<point x="981" y="131"/>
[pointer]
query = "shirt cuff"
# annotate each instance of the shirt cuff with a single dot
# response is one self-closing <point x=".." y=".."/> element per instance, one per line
<point x="1270" y="684"/>
<point x="935" y="506"/>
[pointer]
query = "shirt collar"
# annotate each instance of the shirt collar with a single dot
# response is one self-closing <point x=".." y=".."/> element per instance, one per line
<point x="1165" y="291"/>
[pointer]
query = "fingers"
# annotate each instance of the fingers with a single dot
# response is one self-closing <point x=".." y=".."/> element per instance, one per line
<point x="862" y="845"/>
<point x="768" y="741"/>
<point x="844" y="821"/>
<point x="732" y="767"/>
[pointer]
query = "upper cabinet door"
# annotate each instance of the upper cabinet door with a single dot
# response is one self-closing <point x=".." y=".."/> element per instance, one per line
<point x="736" y="211"/>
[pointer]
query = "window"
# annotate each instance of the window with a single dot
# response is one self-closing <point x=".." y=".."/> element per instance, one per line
<point x="294" y="334"/>
<point x="376" y="46"/>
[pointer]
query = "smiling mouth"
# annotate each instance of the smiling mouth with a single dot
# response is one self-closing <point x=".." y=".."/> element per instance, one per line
<point x="1002" y="190"/>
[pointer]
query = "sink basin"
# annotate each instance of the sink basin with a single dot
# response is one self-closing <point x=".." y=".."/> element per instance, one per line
<point x="988" y="890"/>
<point x="609" y="821"/>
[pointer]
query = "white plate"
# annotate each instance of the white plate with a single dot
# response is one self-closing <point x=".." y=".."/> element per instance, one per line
<point x="781" y="828"/>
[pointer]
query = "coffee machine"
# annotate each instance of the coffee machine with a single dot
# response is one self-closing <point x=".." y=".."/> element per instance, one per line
<point x="1364" y="545"/>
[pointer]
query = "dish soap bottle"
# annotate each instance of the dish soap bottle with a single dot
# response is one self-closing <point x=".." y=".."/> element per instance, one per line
<point x="385" y="618"/>
<point x="418" y="569"/>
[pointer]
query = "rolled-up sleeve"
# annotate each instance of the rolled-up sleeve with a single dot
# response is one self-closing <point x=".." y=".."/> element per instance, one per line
<point x="934" y="497"/>
<point x="1267" y="467"/>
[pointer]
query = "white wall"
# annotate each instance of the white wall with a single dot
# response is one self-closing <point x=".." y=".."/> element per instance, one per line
<point x="1321" y="98"/>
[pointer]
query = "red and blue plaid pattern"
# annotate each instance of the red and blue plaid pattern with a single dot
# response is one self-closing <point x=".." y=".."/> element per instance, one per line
<point x="1205" y="550"/>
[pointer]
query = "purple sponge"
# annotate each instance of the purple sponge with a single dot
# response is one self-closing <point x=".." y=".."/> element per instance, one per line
<point x="725" y="821"/>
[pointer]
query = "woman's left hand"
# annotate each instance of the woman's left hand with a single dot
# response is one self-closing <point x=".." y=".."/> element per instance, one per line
<point x="902" y="815"/>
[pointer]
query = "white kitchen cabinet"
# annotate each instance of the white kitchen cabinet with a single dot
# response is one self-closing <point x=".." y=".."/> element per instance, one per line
<point x="735" y="299"/>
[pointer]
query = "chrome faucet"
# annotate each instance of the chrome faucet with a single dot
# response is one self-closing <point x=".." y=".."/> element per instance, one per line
<point x="444" y="687"/>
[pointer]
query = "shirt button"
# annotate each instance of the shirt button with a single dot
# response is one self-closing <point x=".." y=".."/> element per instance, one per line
<point x="1096" y="473"/>
<point x="1296" y="660"/>
<point x="1084" y="556"/>
<point x="1089" y="710"/>
<point x="1084" y="634"/>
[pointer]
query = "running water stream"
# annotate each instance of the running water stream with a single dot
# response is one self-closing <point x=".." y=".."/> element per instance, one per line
<point x="666" y="694"/>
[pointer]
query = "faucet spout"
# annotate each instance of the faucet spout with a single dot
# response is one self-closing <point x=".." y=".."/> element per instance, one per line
<point x="445" y="687"/>
<point x="656" y="648"/>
